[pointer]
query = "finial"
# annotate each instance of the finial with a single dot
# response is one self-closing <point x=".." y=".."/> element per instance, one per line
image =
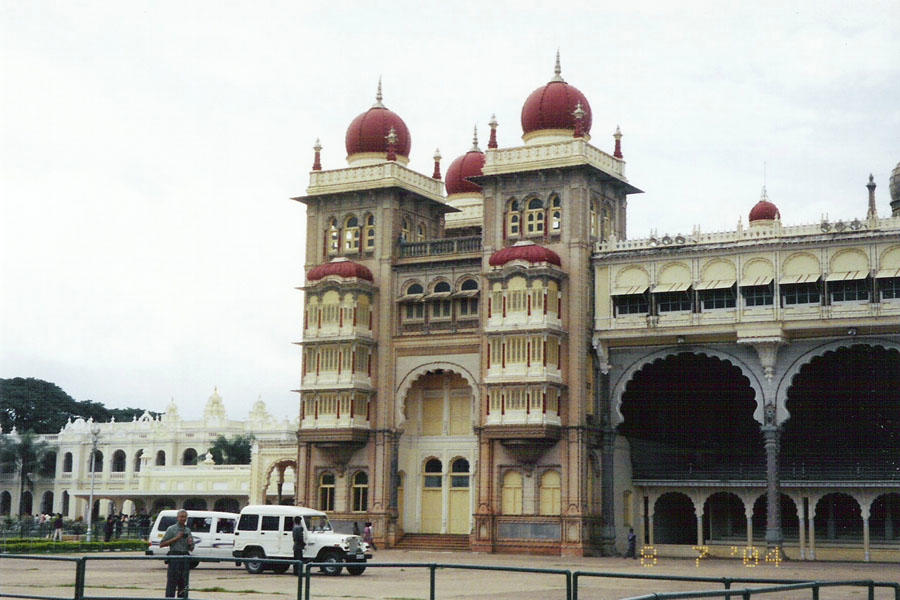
<point x="578" y="113"/>
<point x="317" y="162"/>
<point x="437" y="164"/>
<point x="391" y="138"/>
<point x="557" y="70"/>
<point x="618" y="136"/>
<point x="871" y="183"/>
<point x="764" y="196"/>
<point x="475" y="147"/>
<point x="872" y="213"/>
<point x="492" y="143"/>
<point x="378" y="96"/>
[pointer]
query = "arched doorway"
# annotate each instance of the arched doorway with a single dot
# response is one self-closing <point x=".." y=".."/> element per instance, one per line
<point x="844" y="419"/>
<point x="436" y="452"/>
<point x="790" y="522"/>
<point x="195" y="504"/>
<point x="5" y="503"/>
<point x="884" y="522"/>
<point x="27" y="503"/>
<point x="724" y="518"/>
<point x="47" y="503"/>
<point x="674" y="521"/>
<point x="65" y="503"/>
<point x="227" y="505"/>
<point x="838" y="517"/>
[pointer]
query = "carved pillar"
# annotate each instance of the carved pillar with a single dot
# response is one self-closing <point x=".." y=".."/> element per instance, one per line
<point x="603" y="408"/>
<point x="698" y="512"/>
<point x="774" y="537"/>
<point x="865" y="518"/>
<point x="748" y="513"/>
<point x="801" y="530"/>
<point x="812" y="530"/>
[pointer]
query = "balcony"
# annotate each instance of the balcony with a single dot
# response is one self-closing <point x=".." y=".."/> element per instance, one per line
<point x="335" y="379"/>
<point x="442" y="247"/>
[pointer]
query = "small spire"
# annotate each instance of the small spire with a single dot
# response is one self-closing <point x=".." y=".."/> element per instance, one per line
<point x="873" y="211"/>
<point x="557" y="70"/>
<point x="578" y="113"/>
<point x="378" y="96"/>
<point x="618" y="136"/>
<point x="492" y="143"/>
<point x="764" y="196"/>
<point x="475" y="147"/>
<point x="437" y="164"/>
<point x="391" y="138"/>
<point x="317" y="161"/>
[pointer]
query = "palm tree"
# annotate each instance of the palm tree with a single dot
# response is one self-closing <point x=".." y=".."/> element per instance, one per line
<point x="22" y="454"/>
<point x="235" y="451"/>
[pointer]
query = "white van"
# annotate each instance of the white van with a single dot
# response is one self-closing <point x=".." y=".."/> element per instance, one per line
<point x="213" y="533"/>
<point x="265" y="531"/>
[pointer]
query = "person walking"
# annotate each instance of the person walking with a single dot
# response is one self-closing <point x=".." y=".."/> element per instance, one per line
<point x="57" y="528"/>
<point x="180" y="542"/>
<point x="632" y="544"/>
<point x="368" y="537"/>
<point x="299" y="543"/>
<point x="108" y="528"/>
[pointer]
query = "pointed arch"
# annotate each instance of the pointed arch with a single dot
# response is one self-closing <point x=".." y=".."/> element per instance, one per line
<point x="410" y="378"/>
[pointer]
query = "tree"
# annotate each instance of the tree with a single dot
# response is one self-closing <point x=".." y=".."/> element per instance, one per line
<point x="22" y="454"/>
<point x="30" y="404"/>
<point x="235" y="451"/>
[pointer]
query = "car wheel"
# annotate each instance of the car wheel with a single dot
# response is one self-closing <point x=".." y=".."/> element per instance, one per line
<point x="194" y="564"/>
<point x="334" y="569"/>
<point x="253" y="565"/>
<point x="356" y="570"/>
<point x="280" y="568"/>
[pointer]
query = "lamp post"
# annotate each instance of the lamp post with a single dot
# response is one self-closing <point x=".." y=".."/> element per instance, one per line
<point x="95" y="434"/>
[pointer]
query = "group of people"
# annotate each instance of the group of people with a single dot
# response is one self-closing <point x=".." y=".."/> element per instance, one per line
<point x="115" y="523"/>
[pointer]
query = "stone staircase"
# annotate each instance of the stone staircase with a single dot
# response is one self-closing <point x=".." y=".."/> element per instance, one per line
<point x="434" y="542"/>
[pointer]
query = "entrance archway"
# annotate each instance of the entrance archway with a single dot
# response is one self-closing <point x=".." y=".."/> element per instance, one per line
<point x="437" y="448"/>
<point x="674" y="521"/>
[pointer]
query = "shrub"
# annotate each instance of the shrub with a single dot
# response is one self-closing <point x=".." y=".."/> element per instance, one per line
<point x="33" y="546"/>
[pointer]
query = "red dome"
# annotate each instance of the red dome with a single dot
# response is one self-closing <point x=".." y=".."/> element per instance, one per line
<point x="340" y="267"/>
<point x="467" y="165"/>
<point x="524" y="251"/>
<point x="551" y="107"/>
<point x="368" y="131"/>
<point x="764" y="211"/>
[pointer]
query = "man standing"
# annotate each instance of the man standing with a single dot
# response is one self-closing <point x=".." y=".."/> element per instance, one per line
<point x="632" y="544"/>
<point x="299" y="543"/>
<point x="180" y="542"/>
<point x="57" y="528"/>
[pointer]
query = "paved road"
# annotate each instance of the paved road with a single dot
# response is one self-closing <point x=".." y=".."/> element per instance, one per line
<point x="114" y="576"/>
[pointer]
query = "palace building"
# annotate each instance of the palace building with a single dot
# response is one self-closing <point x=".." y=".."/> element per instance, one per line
<point x="489" y="363"/>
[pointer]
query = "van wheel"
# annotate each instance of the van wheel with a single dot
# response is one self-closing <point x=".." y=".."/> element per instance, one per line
<point x="254" y="566"/>
<point x="356" y="570"/>
<point x="332" y="557"/>
<point x="280" y="568"/>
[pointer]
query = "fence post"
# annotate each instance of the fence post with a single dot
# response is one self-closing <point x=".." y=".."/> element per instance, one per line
<point x="815" y="591"/>
<point x="871" y="590"/>
<point x="574" y="586"/>
<point x="726" y="582"/>
<point x="187" y="576"/>
<point x="568" y="585"/>
<point x="298" y="567"/>
<point x="307" y="577"/>
<point x="79" y="578"/>
<point x="431" y="568"/>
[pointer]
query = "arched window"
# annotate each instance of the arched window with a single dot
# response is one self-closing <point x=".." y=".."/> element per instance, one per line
<point x="67" y="462"/>
<point x="513" y="219"/>
<point x="534" y="217"/>
<point x="468" y="299"/>
<point x="555" y="214"/>
<point x="511" y="493"/>
<point x="469" y="284"/>
<point x="326" y="491"/>
<point x="351" y="234"/>
<point x="369" y="233"/>
<point x="550" y="486"/>
<point x="414" y="310"/>
<point x="189" y="457"/>
<point x="137" y="460"/>
<point x="47" y="468"/>
<point x="433" y="473"/>
<point x="332" y="237"/>
<point x="360" y="492"/>
<point x="420" y="232"/>
<point x="118" y="461"/>
<point x="161" y="458"/>
<point x="405" y="231"/>
<point x="415" y="288"/>
<point x="98" y="462"/>
<point x="441" y="287"/>
<point x="459" y="473"/>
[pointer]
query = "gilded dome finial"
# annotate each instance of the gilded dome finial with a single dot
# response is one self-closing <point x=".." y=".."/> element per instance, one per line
<point x="557" y="69"/>
<point x="378" y="96"/>
<point x="475" y="147"/>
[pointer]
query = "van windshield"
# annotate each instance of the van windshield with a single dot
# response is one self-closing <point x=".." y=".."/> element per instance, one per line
<point x="317" y="523"/>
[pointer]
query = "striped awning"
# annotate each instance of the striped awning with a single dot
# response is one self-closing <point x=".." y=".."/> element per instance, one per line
<point x="411" y="298"/>
<point x="755" y="281"/>
<point x="804" y="278"/>
<point x="715" y="284"/>
<point x="886" y="273"/>
<point x="847" y="276"/>
<point x="671" y="287"/>
<point x="437" y="295"/>
<point x="629" y="291"/>
<point x="465" y="294"/>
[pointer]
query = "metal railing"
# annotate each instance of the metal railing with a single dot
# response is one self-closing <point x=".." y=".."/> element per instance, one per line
<point x="571" y="578"/>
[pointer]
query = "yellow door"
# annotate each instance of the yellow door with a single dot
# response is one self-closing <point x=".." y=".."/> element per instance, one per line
<point x="460" y="413"/>
<point x="432" y="502"/>
<point x="458" y="521"/>
<point x="433" y="413"/>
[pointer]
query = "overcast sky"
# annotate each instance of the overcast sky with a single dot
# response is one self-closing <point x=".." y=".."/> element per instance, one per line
<point x="148" y="151"/>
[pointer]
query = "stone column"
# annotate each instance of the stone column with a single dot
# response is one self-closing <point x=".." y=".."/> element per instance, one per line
<point x="801" y="530"/>
<point x="748" y="512"/>
<point x="812" y="530"/>
<point x="608" y="443"/>
<point x="774" y="536"/>
<point x="865" y="517"/>
<point x="699" y="513"/>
